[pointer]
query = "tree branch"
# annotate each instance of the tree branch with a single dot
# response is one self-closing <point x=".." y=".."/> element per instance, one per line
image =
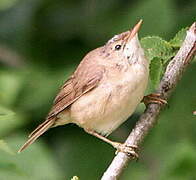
<point x="148" y="119"/>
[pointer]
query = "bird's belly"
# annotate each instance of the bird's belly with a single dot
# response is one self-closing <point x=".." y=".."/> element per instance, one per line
<point x="110" y="104"/>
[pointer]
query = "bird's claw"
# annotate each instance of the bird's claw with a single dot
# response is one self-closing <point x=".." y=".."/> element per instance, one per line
<point x="130" y="150"/>
<point x="153" y="98"/>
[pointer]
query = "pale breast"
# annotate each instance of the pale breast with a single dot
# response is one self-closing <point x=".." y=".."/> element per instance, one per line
<point x="112" y="102"/>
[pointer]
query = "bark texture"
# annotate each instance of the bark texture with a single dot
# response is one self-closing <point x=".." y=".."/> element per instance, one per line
<point x="147" y="120"/>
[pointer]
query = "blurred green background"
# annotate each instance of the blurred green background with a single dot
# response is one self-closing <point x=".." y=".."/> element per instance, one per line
<point x="41" y="42"/>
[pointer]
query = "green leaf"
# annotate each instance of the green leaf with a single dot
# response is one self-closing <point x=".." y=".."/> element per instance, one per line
<point x="5" y="147"/>
<point x="156" y="47"/>
<point x="177" y="41"/>
<point x="156" y="69"/>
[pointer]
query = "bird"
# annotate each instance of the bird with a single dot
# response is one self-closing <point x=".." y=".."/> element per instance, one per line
<point x="104" y="90"/>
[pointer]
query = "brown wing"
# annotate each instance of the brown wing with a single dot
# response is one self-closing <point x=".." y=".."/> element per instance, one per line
<point x="84" y="79"/>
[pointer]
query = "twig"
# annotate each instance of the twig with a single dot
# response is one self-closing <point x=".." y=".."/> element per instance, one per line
<point x="148" y="119"/>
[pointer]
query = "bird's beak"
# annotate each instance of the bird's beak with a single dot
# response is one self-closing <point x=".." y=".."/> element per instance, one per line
<point x="134" y="31"/>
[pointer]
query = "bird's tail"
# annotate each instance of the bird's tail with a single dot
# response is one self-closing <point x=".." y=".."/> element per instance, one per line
<point x="42" y="128"/>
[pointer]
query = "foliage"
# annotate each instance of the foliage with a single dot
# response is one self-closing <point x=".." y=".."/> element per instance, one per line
<point x="42" y="41"/>
<point x="156" y="70"/>
<point x="159" y="52"/>
<point x="178" y="39"/>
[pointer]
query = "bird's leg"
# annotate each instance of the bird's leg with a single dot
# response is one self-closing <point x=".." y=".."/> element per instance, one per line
<point x="153" y="98"/>
<point x="130" y="150"/>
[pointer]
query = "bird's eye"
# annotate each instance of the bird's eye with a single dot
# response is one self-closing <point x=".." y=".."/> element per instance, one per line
<point x="118" y="47"/>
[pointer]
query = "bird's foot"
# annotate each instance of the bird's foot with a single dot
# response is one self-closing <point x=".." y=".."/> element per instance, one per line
<point x="154" y="98"/>
<point x="130" y="150"/>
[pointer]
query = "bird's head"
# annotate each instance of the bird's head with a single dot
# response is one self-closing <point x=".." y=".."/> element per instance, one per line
<point x="124" y="46"/>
